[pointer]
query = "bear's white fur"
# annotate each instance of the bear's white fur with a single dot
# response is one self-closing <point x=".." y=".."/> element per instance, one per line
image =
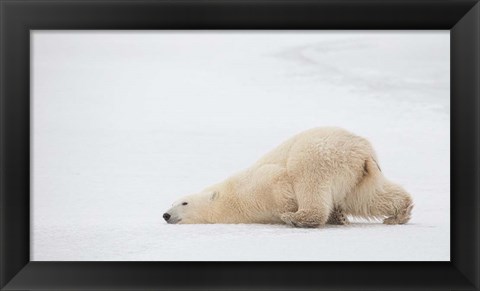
<point x="318" y="176"/>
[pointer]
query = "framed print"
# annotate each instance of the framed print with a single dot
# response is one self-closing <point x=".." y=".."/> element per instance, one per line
<point x="239" y="145"/>
<point x="105" y="175"/>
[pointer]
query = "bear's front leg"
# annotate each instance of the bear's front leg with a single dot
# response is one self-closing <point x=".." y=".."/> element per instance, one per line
<point x="314" y="204"/>
<point x="305" y="218"/>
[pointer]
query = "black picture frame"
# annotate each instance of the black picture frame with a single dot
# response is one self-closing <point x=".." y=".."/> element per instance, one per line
<point x="18" y="17"/>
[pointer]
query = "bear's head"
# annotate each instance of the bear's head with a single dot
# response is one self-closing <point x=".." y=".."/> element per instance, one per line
<point x="193" y="209"/>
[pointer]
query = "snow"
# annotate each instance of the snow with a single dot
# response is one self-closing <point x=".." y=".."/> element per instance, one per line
<point x="124" y="123"/>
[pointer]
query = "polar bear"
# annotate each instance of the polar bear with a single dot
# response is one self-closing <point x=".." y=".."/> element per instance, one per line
<point x="317" y="177"/>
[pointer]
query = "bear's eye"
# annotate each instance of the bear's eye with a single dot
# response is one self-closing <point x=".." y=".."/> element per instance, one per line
<point x="184" y="203"/>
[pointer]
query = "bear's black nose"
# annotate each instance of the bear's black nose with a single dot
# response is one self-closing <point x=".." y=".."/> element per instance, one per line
<point x="166" y="216"/>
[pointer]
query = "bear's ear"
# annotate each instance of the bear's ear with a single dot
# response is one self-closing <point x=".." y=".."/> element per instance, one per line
<point x="214" y="195"/>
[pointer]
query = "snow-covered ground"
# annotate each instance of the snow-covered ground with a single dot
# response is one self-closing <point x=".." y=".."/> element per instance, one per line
<point x="124" y="123"/>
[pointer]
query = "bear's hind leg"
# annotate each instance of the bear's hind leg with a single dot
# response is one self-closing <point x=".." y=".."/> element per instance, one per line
<point x="314" y="206"/>
<point x="391" y="201"/>
<point x="338" y="217"/>
<point x="402" y="216"/>
<point x="398" y="204"/>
